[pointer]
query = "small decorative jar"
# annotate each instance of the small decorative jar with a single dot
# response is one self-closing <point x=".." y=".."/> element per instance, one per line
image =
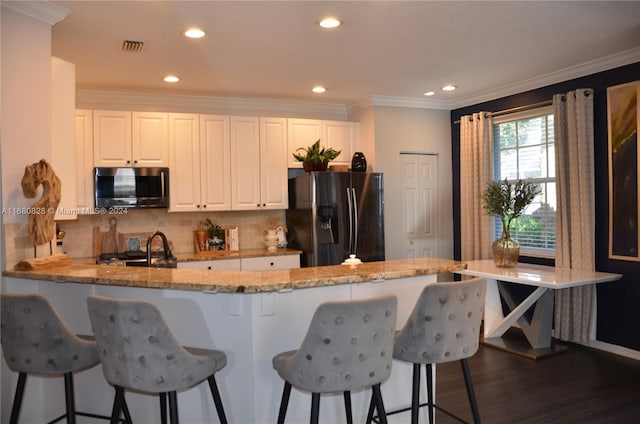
<point x="358" y="162"/>
<point x="271" y="240"/>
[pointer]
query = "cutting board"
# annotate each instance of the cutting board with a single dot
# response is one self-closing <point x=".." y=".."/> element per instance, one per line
<point x="112" y="241"/>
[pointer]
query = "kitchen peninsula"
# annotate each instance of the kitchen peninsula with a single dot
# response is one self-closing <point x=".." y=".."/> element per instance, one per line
<point x="250" y="315"/>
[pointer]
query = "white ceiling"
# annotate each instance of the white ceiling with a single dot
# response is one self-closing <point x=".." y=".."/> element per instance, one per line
<point x="384" y="49"/>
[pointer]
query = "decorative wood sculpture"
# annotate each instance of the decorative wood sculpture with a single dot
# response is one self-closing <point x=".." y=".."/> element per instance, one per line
<point x="42" y="228"/>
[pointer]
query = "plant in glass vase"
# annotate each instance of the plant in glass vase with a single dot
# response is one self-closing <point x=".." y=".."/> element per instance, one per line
<point x="507" y="201"/>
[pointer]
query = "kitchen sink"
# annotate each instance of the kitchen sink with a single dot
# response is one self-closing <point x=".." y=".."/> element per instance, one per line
<point x="155" y="263"/>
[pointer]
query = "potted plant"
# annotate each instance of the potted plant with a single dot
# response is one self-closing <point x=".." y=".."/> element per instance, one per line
<point x="316" y="158"/>
<point x="215" y="235"/>
<point x="507" y="201"/>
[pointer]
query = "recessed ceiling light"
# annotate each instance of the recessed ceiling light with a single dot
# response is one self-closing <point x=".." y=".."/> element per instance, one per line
<point x="194" y="33"/>
<point x="429" y="93"/>
<point x="330" y="23"/>
<point x="171" y="78"/>
<point x="448" y="88"/>
<point x="318" y="89"/>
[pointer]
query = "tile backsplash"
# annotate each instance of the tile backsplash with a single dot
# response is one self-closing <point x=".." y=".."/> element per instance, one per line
<point x="178" y="227"/>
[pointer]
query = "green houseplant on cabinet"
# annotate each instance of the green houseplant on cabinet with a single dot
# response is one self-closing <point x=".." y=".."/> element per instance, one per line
<point x="507" y="201"/>
<point x="314" y="157"/>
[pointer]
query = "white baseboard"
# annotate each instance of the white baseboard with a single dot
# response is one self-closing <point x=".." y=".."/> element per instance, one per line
<point x="618" y="350"/>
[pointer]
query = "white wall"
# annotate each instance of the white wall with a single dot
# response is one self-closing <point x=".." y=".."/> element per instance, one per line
<point x="417" y="130"/>
<point x="25" y="130"/>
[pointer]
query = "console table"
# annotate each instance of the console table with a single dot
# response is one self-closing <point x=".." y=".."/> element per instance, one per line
<point x="537" y="329"/>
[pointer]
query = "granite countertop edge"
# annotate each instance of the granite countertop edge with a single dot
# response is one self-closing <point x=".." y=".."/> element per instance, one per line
<point x="240" y="281"/>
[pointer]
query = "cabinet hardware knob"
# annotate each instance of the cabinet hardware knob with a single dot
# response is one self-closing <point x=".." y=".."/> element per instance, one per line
<point x="271" y="263"/>
<point x="208" y="267"/>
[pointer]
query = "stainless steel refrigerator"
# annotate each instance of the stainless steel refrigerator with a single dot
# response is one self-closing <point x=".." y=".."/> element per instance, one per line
<point x="334" y="214"/>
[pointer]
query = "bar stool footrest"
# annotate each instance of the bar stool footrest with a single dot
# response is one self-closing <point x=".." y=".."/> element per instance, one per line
<point x="376" y="420"/>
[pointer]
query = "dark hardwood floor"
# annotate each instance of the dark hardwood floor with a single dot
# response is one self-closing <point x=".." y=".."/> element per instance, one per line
<point x="580" y="385"/>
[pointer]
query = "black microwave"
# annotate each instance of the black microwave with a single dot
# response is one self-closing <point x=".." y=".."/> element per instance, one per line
<point x="131" y="187"/>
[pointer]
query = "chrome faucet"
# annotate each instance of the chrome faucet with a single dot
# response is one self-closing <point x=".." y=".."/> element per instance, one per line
<point x="168" y="255"/>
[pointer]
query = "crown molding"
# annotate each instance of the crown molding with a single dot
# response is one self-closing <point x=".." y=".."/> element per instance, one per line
<point x="617" y="60"/>
<point x="44" y="11"/>
<point x="206" y="104"/>
<point x="408" y="102"/>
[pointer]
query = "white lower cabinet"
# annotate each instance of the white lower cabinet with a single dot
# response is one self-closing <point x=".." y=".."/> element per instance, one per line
<point x="264" y="263"/>
<point x="261" y="263"/>
<point x="214" y="265"/>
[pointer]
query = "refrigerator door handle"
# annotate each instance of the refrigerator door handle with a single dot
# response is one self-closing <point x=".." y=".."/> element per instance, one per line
<point x="355" y="220"/>
<point x="350" y="212"/>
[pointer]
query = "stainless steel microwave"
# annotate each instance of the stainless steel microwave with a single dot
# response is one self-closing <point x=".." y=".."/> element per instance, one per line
<point x="131" y="187"/>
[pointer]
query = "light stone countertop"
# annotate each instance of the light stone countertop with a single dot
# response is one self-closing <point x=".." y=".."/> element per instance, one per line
<point x="240" y="281"/>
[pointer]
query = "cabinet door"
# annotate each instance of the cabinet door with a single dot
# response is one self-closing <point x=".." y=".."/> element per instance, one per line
<point x="184" y="162"/>
<point x="301" y="133"/>
<point x="213" y="265"/>
<point x="215" y="163"/>
<point x="150" y="139"/>
<point x="342" y="136"/>
<point x="245" y="163"/>
<point x="83" y="134"/>
<point x="273" y="163"/>
<point x="111" y="138"/>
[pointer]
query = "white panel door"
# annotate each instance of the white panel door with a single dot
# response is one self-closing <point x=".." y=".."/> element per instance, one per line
<point x="420" y="194"/>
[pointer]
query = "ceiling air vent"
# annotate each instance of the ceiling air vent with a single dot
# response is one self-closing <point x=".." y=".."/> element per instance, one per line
<point x="132" y="45"/>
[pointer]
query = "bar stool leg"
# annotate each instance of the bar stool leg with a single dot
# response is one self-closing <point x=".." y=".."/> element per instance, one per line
<point x="17" y="399"/>
<point x="415" y="394"/>
<point x="377" y="395"/>
<point x="315" y="407"/>
<point x="173" y="407"/>
<point x="68" y="397"/>
<point x="163" y="408"/>
<point x="470" y="392"/>
<point x="429" y="370"/>
<point x="347" y="406"/>
<point x="371" y="409"/>
<point x="217" y="400"/>
<point x="286" y="392"/>
<point x="117" y="407"/>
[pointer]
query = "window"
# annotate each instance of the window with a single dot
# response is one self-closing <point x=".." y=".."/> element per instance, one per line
<point x="523" y="148"/>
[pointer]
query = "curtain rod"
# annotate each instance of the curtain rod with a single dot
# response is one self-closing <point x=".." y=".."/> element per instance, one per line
<point x="517" y="109"/>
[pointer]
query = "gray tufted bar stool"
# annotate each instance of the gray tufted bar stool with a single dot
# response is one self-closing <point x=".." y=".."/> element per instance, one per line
<point x="35" y="340"/>
<point x="444" y="326"/>
<point x="139" y="352"/>
<point x="348" y="346"/>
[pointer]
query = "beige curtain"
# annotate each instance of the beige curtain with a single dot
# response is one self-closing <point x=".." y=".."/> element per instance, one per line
<point x="575" y="221"/>
<point x="475" y="173"/>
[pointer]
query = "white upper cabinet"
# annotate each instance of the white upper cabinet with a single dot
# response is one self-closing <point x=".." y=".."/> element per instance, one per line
<point x="215" y="162"/>
<point x="84" y="160"/>
<point x="199" y="163"/>
<point x="124" y="138"/>
<point x="342" y="136"/>
<point x="339" y="135"/>
<point x="302" y="133"/>
<point x="258" y="163"/>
